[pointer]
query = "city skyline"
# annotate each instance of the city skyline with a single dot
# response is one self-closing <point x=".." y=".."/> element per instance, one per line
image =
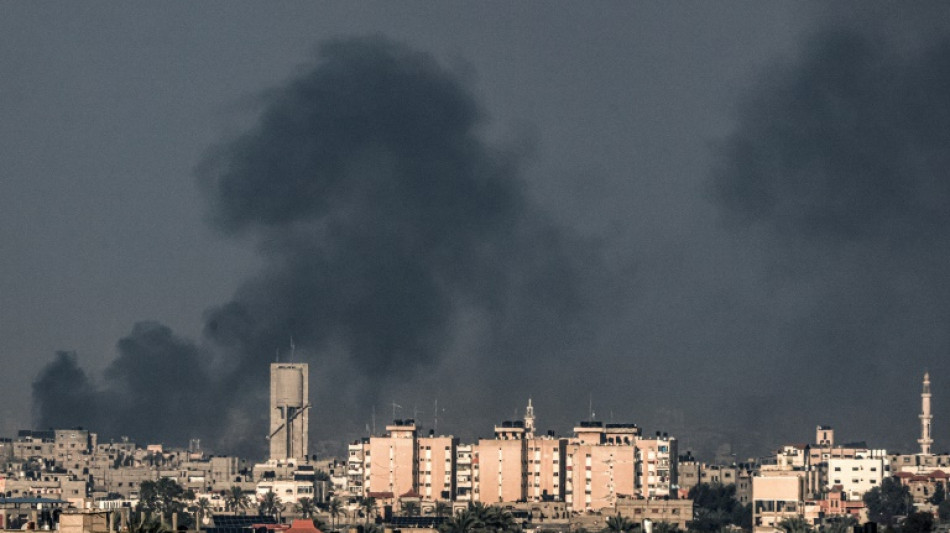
<point x="699" y="218"/>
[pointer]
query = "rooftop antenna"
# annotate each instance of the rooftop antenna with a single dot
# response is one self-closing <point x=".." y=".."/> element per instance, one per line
<point x="293" y="349"/>
<point x="435" y="419"/>
<point x="590" y="407"/>
<point x="395" y="406"/>
<point x="277" y="355"/>
<point x="373" y="434"/>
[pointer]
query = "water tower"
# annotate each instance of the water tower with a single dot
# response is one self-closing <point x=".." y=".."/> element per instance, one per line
<point x="289" y="410"/>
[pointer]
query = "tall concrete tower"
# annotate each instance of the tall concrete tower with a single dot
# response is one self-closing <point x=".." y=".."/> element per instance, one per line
<point x="925" y="418"/>
<point x="289" y="410"/>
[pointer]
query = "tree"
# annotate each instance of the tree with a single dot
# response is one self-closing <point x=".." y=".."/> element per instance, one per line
<point x="665" y="527"/>
<point x="939" y="495"/>
<point x="235" y="499"/>
<point x="305" y="507"/>
<point x="334" y="508"/>
<point x="162" y="497"/>
<point x="493" y="518"/>
<point x="619" y="524"/>
<point x="269" y="505"/>
<point x="715" y="506"/>
<point x="887" y="501"/>
<point x="920" y="522"/>
<point x="463" y="522"/>
<point x="841" y="524"/>
<point x="202" y="506"/>
<point x="795" y="525"/>
<point x="943" y="511"/>
<point x="442" y="509"/>
<point x="410" y="508"/>
<point x="369" y="506"/>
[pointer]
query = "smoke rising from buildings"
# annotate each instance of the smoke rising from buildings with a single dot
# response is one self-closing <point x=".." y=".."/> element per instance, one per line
<point x="836" y="173"/>
<point x="403" y="255"/>
<point x="386" y="223"/>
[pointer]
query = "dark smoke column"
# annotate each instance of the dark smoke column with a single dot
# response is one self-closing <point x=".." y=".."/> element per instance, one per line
<point x="382" y="217"/>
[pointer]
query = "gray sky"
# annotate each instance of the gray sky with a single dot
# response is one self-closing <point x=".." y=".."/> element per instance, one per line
<point x="722" y="318"/>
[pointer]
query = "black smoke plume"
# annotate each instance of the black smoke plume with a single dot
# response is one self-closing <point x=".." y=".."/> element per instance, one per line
<point x="838" y="173"/>
<point x="391" y="231"/>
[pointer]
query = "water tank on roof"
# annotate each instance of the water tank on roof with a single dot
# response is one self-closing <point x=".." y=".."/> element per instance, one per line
<point x="289" y="387"/>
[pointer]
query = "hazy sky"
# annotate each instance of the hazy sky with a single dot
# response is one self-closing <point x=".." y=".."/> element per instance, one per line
<point x="729" y="221"/>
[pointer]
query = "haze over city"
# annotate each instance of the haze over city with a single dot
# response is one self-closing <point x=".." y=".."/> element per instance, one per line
<point x="726" y="221"/>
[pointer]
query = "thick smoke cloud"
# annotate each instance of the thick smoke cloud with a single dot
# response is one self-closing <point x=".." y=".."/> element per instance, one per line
<point x="388" y="227"/>
<point x="837" y="172"/>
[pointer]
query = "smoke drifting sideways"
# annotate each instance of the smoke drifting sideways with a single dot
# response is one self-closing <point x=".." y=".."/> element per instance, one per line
<point x="838" y="176"/>
<point x="385" y="221"/>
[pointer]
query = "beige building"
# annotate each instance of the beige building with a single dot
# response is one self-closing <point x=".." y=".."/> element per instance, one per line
<point x="657" y="475"/>
<point x="501" y="464"/>
<point x="392" y="461"/>
<point x="546" y="459"/>
<point x="776" y="497"/>
<point x="436" y="471"/>
<point x="673" y="512"/>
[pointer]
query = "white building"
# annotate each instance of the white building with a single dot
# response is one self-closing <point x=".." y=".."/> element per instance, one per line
<point x="856" y="476"/>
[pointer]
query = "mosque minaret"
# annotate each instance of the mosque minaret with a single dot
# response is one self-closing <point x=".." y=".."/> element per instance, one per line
<point x="925" y="418"/>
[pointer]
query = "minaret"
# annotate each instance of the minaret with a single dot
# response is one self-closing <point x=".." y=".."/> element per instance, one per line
<point x="529" y="421"/>
<point x="925" y="418"/>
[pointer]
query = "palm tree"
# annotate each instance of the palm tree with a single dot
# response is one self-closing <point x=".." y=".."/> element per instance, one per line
<point x="305" y="507"/>
<point x="269" y="505"/>
<point x="202" y="506"/>
<point x="619" y="524"/>
<point x="442" y="509"/>
<point x="795" y="524"/>
<point x="235" y="499"/>
<point x="369" y="506"/>
<point x="334" y="508"/>
<point x="464" y="522"/>
<point x="410" y="508"/>
<point x="839" y="525"/>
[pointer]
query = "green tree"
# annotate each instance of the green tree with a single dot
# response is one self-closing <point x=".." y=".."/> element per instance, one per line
<point x="887" y="501"/>
<point x="463" y="522"/>
<point x="939" y="495"/>
<point x="269" y="505"/>
<point x="665" y="527"/>
<point x="943" y="511"/>
<point x="795" y="525"/>
<point x="368" y="504"/>
<point x="410" y="508"/>
<point x="202" y="507"/>
<point x="839" y="525"/>
<point x="619" y="524"/>
<point x="334" y="508"/>
<point x="920" y="522"/>
<point x="442" y="509"/>
<point x="305" y="507"/>
<point x="715" y="506"/>
<point x="494" y="518"/>
<point x="235" y="499"/>
<point x="162" y="497"/>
